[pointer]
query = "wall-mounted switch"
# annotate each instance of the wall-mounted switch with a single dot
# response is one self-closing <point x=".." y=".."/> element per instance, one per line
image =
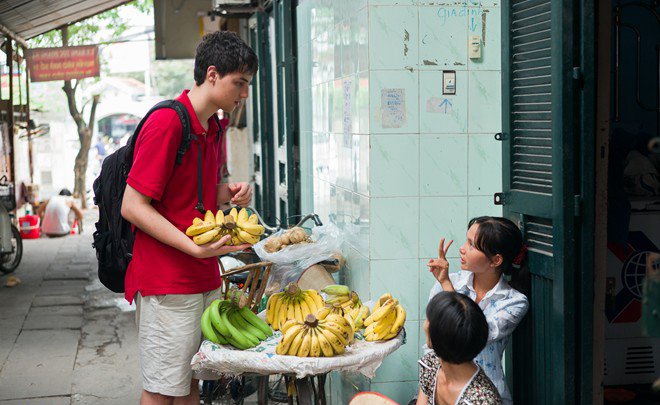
<point x="474" y="47"/>
<point x="449" y="82"/>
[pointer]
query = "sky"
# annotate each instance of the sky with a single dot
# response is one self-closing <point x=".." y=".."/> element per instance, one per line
<point x="131" y="56"/>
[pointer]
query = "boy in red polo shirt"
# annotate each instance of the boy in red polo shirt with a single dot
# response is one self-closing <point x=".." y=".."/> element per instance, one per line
<point x="172" y="279"/>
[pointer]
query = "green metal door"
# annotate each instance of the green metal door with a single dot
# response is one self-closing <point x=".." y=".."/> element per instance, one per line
<point x="262" y="120"/>
<point x="286" y="147"/>
<point x="276" y="152"/>
<point x="541" y="98"/>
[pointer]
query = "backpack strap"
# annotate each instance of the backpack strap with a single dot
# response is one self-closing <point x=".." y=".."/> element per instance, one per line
<point x="186" y="137"/>
<point x="221" y="130"/>
<point x="186" y="130"/>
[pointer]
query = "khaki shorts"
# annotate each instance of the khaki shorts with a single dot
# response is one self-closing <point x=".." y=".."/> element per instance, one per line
<point x="169" y="334"/>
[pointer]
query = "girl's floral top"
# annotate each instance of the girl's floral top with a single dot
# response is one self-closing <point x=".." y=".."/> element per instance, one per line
<point x="478" y="391"/>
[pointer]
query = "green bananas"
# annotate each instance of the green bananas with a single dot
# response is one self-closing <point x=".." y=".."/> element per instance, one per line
<point x="225" y="323"/>
<point x="342" y="301"/>
<point x="336" y="289"/>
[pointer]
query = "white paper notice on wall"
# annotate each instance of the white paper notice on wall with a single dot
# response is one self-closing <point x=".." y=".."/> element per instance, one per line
<point x="393" y="107"/>
<point x="348" y="106"/>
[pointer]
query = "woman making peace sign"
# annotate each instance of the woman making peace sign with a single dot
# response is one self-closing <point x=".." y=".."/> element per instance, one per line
<point x="493" y="248"/>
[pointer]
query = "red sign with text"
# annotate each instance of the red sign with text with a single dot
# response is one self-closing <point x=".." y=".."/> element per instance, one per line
<point x="66" y="63"/>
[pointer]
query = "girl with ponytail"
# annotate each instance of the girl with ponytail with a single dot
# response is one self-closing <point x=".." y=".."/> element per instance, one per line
<point x="494" y="249"/>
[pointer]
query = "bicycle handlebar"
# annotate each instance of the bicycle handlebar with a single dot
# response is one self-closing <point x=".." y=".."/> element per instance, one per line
<point x="276" y="228"/>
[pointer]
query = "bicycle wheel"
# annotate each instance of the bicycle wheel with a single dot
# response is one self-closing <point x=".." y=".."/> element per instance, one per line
<point x="10" y="261"/>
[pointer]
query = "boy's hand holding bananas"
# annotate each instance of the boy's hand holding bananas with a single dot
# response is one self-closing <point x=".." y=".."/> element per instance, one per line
<point x="239" y="225"/>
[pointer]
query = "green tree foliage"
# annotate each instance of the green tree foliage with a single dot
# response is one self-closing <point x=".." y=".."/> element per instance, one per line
<point x="170" y="77"/>
<point x="102" y="28"/>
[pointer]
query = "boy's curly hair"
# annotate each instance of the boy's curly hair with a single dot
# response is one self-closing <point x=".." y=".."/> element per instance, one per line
<point x="227" y="52"/>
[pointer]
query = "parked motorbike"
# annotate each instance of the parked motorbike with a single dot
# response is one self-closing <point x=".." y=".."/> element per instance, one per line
<point x="11" y="243"/>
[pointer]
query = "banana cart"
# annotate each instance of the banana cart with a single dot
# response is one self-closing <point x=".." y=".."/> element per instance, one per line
<point x="233" y="374"/>
<point x="304" y="377"/>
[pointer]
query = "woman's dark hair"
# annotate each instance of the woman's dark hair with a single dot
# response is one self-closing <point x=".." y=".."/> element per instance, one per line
<point x="497" y="235"/>
<point x="227" y="52"/>
<point x="457" y="327"/>
<point x="66" y="192"/>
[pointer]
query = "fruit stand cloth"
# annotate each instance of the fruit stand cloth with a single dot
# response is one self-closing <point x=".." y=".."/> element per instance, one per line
<point x="362" y="357"/>
<point x="157" y="268"/>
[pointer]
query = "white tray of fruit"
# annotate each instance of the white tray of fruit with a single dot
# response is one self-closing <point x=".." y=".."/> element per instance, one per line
<point x="308" y="335"/>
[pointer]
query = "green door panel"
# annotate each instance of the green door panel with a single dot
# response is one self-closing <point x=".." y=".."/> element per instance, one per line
<point x="539" y="187"/>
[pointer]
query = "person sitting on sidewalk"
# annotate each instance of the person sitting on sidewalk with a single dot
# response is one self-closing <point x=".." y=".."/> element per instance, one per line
<point x="54" y="215"/>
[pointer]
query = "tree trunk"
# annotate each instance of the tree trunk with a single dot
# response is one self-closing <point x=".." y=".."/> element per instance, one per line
<point x="85" y="133"/>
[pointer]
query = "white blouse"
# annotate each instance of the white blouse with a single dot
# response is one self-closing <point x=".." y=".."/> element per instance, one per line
<point x="504" y="308"/>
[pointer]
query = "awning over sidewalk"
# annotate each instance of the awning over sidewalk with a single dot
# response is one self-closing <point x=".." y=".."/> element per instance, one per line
<point x="25" y="19"/>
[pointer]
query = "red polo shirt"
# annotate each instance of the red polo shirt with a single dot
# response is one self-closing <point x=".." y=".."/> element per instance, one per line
<point x="157" y="268"/>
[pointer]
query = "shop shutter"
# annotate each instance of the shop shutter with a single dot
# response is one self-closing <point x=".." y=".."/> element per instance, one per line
<point x="275" y="121"/>
<point x="287" y="152"/>
<point x="263" y="127"/>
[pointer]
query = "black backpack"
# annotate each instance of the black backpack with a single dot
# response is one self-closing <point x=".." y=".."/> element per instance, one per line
<point x="113" y="238"/>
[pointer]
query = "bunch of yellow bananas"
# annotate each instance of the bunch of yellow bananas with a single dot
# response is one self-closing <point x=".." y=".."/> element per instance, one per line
<point x="315" y="338"/>
<point x="336" y="309"/>
<point x="241" y="226"/>
<point x="225" y="323"/>
<point x="386" y="320"/>
<point x="341" y="295"/>
<point x="292" y="303"/>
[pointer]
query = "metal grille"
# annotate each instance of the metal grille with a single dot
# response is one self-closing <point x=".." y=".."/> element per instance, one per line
<point x="531" y="94"/>
<point x="639" y="360"/>
<point x="538" y="235"/>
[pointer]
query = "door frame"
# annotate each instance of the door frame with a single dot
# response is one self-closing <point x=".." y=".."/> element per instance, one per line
<point x="603" y="18"/>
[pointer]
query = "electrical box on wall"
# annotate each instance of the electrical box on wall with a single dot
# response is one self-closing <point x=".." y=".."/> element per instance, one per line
<point x="449" y="82"/>
<point x="474" y="47"/>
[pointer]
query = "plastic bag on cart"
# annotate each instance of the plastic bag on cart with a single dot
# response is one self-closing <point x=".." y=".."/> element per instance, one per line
<point x="292" y="260"/>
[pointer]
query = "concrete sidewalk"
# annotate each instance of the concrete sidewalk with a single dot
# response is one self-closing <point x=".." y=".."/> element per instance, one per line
<point x="64" y="338"/>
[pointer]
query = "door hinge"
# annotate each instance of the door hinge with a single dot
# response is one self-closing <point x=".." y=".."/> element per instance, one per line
<point x="577" y="205"/>
<point x="498" y="198"/>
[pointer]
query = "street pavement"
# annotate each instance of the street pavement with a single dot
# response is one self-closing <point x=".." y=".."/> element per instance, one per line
<point x="64" y="338"/>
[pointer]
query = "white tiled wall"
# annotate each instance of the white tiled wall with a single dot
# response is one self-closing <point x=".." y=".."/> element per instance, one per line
<point x="385" y="157"/>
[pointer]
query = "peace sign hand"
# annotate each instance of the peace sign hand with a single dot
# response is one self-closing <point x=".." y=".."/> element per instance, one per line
<point x="440" y="267"/>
